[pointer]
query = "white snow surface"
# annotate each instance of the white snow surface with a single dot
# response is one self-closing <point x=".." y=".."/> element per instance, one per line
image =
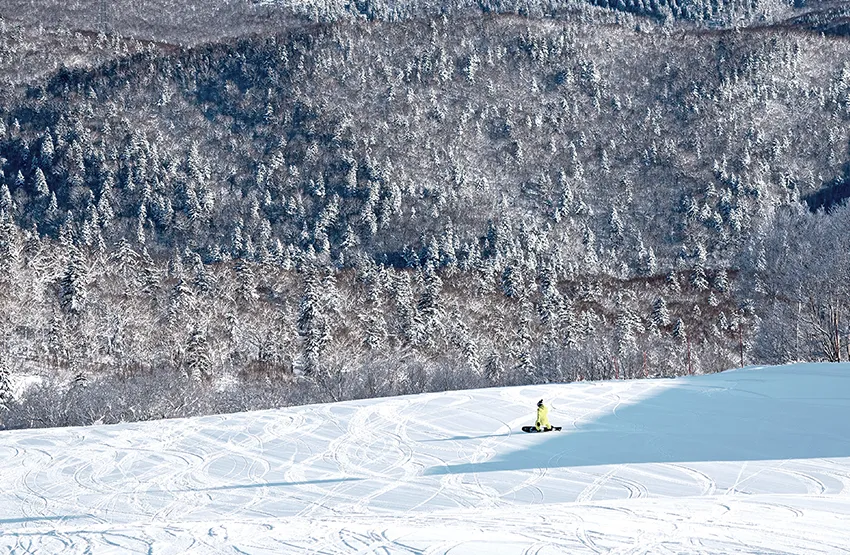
<point x="747" y="461"/>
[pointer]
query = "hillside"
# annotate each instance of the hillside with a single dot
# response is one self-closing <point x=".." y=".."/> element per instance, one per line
<point x="754" y="460"/>
<point x="345" y="207"/>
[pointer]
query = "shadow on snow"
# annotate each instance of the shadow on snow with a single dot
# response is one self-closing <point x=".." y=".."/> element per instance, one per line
<point x="257" y="485"/>
<point x="793" y="412"/>
<point x="41" y="518"/>
<point x="463" y="438"/>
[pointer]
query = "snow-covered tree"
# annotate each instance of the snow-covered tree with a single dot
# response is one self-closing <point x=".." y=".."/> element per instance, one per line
<point x="6" y="396"/>
<point x="198" y="364"/>
<point x="72" y="285"/>
<point x="660" y="314"/>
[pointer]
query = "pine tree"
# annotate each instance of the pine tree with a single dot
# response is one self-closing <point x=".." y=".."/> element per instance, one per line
<point x="430" y="310"/>
<point x="405" y="306"/>
<point x="651" y="266"/>
<point x="47" y="150"/>
<point x="660" y="314"/>
<point x="198" y="364"/>
<point x="512" y="282"/>
<point x="180" y="300"/>
<point x="6" y="203"/>
<point x="52" y="215"/>
<point x="522" y="348"/>
<point x="9" y="247"/>
<point x="204" y="280"/>
<point x="150" y="278"/>
<point x="616" y="224"/>
<point x="313" y="322"/>
<point x="125" y="258"/>
<point x="246" y="289"/>
<point x="141" y="218"/>
<point x="627" y="326"/>
<point x="466" y="345"/>
<point x="40" y="184"/>
<point x="72" y="293"/>
<point x="551" y="304"/>
<point x="698" y="278"/>
<point x="6" y="395"/>
<point x="679" y="330"/>
<point x="721" y="281"/>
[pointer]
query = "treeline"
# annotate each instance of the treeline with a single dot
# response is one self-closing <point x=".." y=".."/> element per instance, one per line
<point x="151" y="340"/>
<point x="370" y="208"/>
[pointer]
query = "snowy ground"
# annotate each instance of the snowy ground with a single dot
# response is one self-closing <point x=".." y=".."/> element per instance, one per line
<point x="748" y="461"/>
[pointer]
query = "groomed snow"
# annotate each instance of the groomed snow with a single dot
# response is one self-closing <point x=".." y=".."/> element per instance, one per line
<point x="748" y="461"/>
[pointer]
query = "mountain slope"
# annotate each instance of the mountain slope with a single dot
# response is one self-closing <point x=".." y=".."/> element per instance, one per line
<point x="754" y="460"/>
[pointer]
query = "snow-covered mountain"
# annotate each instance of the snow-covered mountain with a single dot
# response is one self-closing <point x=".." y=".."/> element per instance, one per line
<point x="754" y="460"/>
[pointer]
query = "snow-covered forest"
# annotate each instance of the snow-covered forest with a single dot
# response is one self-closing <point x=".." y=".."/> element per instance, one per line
<point x="325" y="202"/>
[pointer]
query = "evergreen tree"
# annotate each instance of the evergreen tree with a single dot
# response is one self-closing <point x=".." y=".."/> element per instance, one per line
<point x="6" y="203"/>
<point x="313" y="322"/>
<point x="679" y="330"/>
<point x="246" y="289"/>
<point x="40" y="184"/>
<point x="551" y="304"/>
<point x="512" y="282"/>
<point x="179" y="303"/>
<point x="405" y="306"/>
<point x="198" y="363"/>
<point x="125" y="259"/>
<point x="627" y="326"/>
<point x="660" y="314"/>
<point x="47" y="150"/>
<point x="721" y="281"/>
<point x="72" y="285"/>
<point x="429" y="308"/>
<point x="10" y="245"/>
<point x="204" y="280"/>
<point x="6" y="395"/>
<point x="150" y="276"/>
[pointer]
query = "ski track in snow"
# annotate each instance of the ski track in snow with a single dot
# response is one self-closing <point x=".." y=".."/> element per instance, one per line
<point x="635" y="470"/>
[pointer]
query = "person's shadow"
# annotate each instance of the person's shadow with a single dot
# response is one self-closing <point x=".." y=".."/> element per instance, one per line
<point x="790" y="412"/>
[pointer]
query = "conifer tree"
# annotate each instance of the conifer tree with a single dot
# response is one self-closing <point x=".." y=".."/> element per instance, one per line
<point x="47" y="150"/>
<point x="429" y="308"/>
<point x="512" y="282"/>
<point x="73" y="293"/>
<point x="198" y="363"/>
<point x="6" y="394"/>
<point x="246" y="283"/>
<point x="9" y="247"/>
<point x="204" y="280"/>
<point x="660" y="314"/>
<point x="40" y="183"/>
<point x="679" y="330"/>
<point x="721" y="281"/>
<point x="150" y="277"/>
<point x="6" y="203"/>
<point x="405" y="306"/>
<point x="179" y="302"/>
<point x="313" y="322"/>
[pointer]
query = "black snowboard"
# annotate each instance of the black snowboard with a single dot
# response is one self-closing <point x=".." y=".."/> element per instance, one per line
<point x="533" y="430"/>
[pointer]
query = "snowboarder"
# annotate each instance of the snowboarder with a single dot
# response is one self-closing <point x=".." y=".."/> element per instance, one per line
<point x="542" y="423"/>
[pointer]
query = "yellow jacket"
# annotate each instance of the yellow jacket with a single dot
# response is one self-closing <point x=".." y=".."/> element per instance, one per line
<point x="542" y="417"/>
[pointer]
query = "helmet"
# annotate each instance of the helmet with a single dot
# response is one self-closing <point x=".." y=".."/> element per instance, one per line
<point x="540" y="403"/>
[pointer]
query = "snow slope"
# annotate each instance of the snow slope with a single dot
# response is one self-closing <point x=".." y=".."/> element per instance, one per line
<point x="748" y="461"/>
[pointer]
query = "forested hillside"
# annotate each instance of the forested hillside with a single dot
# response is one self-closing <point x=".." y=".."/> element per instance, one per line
<point x="341" y="207"/>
